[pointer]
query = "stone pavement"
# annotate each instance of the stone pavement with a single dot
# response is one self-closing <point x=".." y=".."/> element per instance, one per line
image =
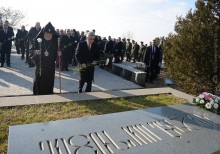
<point x="18" y="80"/>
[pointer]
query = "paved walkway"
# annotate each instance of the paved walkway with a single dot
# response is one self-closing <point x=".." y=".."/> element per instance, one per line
<point x="18" y="80"/>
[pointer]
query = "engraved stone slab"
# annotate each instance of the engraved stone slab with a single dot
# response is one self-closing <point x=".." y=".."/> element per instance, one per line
<point x="174" y="129"/>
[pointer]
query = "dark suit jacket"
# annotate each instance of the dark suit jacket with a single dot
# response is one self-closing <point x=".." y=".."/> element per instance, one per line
<point x="150" y="58"/>
<point x="84" y="55"/>
<point x="119" y="48"/>
<point x="4" y="39"/>
<point x="21" y="37"/>
<point x="109" y="47"/>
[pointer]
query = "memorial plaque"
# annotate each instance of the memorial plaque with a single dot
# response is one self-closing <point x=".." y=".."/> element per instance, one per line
<point x="176" y="129"/>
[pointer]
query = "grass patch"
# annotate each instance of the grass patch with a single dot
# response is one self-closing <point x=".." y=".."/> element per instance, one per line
<point x="57" y="111"/>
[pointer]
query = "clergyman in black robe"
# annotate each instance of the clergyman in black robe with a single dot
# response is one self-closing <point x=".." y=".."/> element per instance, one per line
<point x="46" y="46"/>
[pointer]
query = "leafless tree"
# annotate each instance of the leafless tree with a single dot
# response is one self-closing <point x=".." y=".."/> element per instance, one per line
<point x="13" y="16"/>
<point x="128" y="35"/>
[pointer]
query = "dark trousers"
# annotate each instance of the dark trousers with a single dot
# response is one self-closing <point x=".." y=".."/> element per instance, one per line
<point x="122" y="56"/>
<point x="88" y="86"/>
<point x="5" y="53"/>
<point x="17" y="48"/>
<point x="86" y="76"/>
<point x="151" y="72"/>
<point x="29" y="47"/>
<point x="22" y="51"/>
<point x="128" y="55"/>
<point x="65" y="61"/>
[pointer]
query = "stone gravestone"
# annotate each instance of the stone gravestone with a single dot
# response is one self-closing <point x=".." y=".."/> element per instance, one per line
<point x="177" y="129"/>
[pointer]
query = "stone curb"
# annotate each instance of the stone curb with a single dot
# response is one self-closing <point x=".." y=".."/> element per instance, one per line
<point x="56" y="98"/>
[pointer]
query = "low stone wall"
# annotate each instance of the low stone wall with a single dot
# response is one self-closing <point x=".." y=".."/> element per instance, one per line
<point x="129" y="73"/>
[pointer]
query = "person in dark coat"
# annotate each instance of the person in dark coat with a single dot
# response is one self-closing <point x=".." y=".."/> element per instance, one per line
<point x="6" y="37"/>
<point x="33" y="32"/>
<point x="45" y="57"/>
<point x="66" y="43"/>
<point x="87" y="55"/>
<point x="128" y="50"/>
<point x="118" y="51"/>
<point x="136" y="48"/>
<point x="21" y="39"/>
<point x="151" y="60"/>
<point x="1" y="24"/>
<point x="141" y="52"/>
<point x="109" y="51"/>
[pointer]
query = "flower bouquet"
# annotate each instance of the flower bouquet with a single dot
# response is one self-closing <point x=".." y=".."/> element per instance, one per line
<point x="208" y="102"/>
<point x="79" y="68"/>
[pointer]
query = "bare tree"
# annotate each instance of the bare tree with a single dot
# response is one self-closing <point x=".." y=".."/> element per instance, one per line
<point x="128" y="35"/>
<point x="13" y="16"/>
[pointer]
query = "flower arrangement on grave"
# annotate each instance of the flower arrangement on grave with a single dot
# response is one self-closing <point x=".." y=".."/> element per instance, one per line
<point x="208" y="102"/>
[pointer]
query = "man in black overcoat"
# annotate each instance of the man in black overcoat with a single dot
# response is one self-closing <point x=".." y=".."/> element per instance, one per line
<point x="67" y="46"/>
<point x="118" y="51"/>
<point x="33" y="32"/>
<point x="46" y="46"/>
<point x="21" y="40"/>
<point x="151" y="59"/>
<point x="6" y="37"/>
<point x="87" y="55"/>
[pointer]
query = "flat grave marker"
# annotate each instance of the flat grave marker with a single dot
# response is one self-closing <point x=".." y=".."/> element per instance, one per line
<point x="173" y="129"/>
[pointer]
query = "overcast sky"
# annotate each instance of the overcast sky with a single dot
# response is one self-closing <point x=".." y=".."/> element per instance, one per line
<point x="146" y="19"/>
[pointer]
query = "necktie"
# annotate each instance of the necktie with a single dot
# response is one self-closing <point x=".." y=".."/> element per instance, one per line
<point x="153" y="49"/>
<point x="89" y="46"/>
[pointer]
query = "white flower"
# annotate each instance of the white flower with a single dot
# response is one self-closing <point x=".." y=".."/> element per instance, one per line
<point x="197" y="100"/>
<point x="208" y="105"/>
<point x="215" y="106"/>
<point x="39" y="40"/>
<point x="201" y="96"/>
<point x="216" y="100"/>
<point x="202" y="101"/>
<point x="212" y="101"/>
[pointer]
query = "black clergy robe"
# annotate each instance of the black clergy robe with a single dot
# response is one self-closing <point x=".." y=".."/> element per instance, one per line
<point x="45" y="67"/>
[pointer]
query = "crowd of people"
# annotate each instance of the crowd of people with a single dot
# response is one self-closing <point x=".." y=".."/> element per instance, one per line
<point x="85" y="49"/>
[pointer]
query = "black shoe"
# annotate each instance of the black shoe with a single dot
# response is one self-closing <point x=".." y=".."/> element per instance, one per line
<point x="8" y="65"/>
<point x="66" y="69"/>
<point x="2" y="65"/>
<point x="80" y="91"/>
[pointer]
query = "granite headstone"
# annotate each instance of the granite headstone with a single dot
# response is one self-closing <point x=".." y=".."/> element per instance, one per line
<point x="177" y="129"/>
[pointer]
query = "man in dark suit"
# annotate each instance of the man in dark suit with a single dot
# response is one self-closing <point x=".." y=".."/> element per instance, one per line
<point x="67" y="48"/>
<point x="109" y="51"/>
<point x="87" y="54"/>
<point x="21" y="38"/>
<point x="30" y="38"/>
<point x="9" y="27"/>
<point x="151" y="59"/>
<point x="118" y="51"/>
<point x="6" y="36"/>
<point x="1" y="24"/>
